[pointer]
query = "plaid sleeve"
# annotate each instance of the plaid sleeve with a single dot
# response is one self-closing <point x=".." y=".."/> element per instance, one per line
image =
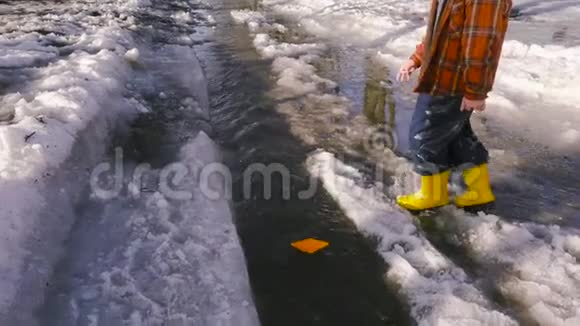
<point x="417" y="56"/>
<point x="484" y="30"/>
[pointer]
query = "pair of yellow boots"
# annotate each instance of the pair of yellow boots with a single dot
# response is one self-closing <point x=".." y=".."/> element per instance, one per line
<point x="433" y="192"/>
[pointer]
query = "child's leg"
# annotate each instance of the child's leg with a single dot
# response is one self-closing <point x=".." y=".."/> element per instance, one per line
<point x="468" y="153"/>
<point x="466" y="150"/>
<point x="437" y="123"/>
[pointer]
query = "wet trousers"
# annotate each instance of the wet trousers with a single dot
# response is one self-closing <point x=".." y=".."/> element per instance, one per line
<point x="441" y="136"/>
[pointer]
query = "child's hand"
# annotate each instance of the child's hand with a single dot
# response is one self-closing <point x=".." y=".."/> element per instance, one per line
<point x="406" y="70"/>
<point x="473" y="105"/>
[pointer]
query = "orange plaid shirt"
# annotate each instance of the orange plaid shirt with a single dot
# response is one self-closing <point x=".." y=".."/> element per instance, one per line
<point x="460" y="56"/>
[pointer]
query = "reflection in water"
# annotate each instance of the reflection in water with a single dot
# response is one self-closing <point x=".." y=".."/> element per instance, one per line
<point x="378" y="97"/>
<point x="290" y="288"/>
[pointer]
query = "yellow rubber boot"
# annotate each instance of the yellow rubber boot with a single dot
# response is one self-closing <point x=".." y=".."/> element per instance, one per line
<point x="433" y="193"/>
<point x="478" y="188"/>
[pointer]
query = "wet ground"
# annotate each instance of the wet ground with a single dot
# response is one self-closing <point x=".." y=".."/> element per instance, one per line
<point x="534" y="183"/>
<point x="344" y="284"/>
<point x="341" y="286"/>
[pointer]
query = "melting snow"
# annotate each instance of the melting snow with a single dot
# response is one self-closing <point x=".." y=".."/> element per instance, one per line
<point x="539" y="270"/>
<point x="70" y="96"/>
<point x="438" y="292"/>
<point x="537" y="83"/>
<point x="65" y="87"/>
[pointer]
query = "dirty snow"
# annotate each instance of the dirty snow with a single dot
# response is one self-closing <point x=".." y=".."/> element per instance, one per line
<point x="62" y="87"/>
<point x="539" y="273"/>
<point x="67" y="84"/>
<point x="293" y="68"/>
<point x="158" y="260"/>
<point x="438" y="292"/>
<point x="533" y="266"/>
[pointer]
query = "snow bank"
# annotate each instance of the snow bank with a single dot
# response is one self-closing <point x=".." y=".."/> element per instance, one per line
<point x="66" y="101"/>
<point x="533" y="266"/>
<point x="294" y="71"/>
<point x="61" y="103"/>
<point x="231" y="300"/>
<point x="177" y="260"/>
<point x="170" y="256"/>
<point x="438" y="292"/>
<point x="256" y="21"/>
<point x="539" y="269"/>
<point x="537" y="86"/>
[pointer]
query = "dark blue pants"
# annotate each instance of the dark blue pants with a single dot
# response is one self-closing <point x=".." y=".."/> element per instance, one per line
<point x="441" y="137"/>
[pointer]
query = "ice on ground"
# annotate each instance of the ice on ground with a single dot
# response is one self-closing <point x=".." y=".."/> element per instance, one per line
<point x="292" y="63"/>
<point x="162" y="258"/>
<point x="247" y="16"/>
<point x="183" y="17"/>
<point x="313" y="99"/>
<point x="65" y="100"/>
<point x="293" y="68"/>
<point x="270" y="48"/>
<point x="416" y="266"/>
<point x="354" y="21"/>
<point x="134" y="4"/>
<point x="132" y="55"/>
<point x="220" y="254"/>
<point x="23" y="57"/>
<point x="256" y="21"/>
<point x="554" y="10"/>
<point x="170" y="256"/>
<point x="534" y="267"/>
<point x="536" y="92"/>
<point x="438" y="292"/>
<point x="62" y="92"/>
<point x="297" y="76"/>
<point x="539" y="272"/>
